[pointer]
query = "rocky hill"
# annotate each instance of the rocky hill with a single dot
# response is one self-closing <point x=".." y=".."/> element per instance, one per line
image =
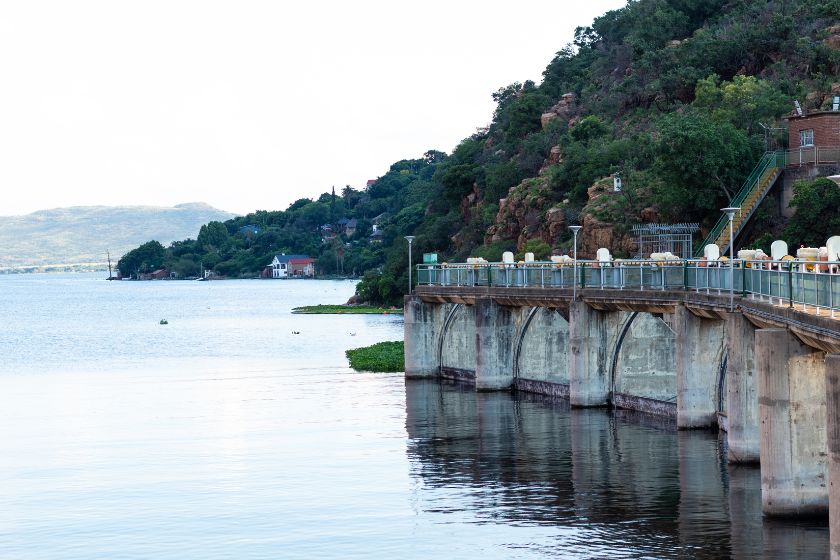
<point x="82" y="235"/>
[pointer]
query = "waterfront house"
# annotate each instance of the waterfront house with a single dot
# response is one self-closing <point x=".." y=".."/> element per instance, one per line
<point x="288" y="266"/>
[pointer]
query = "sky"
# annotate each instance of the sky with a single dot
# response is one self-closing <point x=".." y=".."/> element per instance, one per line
<point x="250" y="105"/>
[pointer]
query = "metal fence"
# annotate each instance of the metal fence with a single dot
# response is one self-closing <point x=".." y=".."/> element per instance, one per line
<point x="809" y="284"/>
<point x="812" y="155"/>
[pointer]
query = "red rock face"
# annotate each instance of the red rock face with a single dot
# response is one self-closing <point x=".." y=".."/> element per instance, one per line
<point x="562" y="109"/>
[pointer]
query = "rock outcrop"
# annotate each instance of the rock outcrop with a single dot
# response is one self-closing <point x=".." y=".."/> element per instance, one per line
<point x="604" y="222"/>
<point x="562" y="109"/>
<point x="833" y="39"/>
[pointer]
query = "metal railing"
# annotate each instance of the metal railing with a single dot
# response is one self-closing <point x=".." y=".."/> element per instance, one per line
<point x="769" y="161"/>
<point x="812" y="155"/>
<point x="809" y="284"/>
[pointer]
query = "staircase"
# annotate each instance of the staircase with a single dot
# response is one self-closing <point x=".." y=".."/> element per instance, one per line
<point x="748" y="199"/>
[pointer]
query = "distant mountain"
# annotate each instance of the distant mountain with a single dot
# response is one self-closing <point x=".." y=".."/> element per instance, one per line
<point x="80" y="235"/>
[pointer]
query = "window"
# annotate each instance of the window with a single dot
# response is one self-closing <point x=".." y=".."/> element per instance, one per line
<point x="806" y="137"/>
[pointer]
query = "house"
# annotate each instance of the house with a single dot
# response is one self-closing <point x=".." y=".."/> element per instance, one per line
<point x="816" y="129"/>
<point x="249" y="230"/>
<point x="813" y="151"/>
<point x="287" y="266"/>
<point x="159" y="274"/>
<point x="381" y="219"/>
<point x="350" y="227"/>
<point x="376" y="236"/>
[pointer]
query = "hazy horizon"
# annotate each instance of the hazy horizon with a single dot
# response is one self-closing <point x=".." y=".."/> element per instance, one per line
<point x="250" y="106"/>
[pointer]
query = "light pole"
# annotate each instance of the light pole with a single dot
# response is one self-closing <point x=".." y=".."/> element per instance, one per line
<point x="409" y="238"/>
<point x="575" y="230"/>
<point x="730" y="213"/>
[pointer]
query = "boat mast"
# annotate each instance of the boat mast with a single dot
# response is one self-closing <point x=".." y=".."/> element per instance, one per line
<point x="110" y="275"/>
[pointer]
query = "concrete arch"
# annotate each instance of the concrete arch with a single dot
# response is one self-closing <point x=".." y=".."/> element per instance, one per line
<point x="520" y="335"/>
<point x="541" y="353"/>
<point x="643" y="373"/>
<point x="456" y="345"/>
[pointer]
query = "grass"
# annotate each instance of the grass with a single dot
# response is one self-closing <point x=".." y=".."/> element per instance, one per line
<point x="349" y="309"/>
<point x="381" y="357"/>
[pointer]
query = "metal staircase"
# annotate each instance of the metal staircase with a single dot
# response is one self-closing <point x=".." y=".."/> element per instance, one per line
<point x="748" y="199"/>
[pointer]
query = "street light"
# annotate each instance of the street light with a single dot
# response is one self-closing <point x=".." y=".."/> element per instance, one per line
<point x="730" y="213"/>
<point x="409" y="238"/>
<point x="575" y="230"/>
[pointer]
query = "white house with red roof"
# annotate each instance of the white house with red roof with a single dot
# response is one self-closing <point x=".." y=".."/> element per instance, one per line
<point x="292" y="266"/>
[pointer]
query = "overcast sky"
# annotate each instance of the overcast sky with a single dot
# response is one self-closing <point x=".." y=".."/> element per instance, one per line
<point x="250" y="105"/>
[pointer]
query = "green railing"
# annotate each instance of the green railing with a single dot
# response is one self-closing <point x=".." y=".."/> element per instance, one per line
<point x="769" y="160"/>
<point x="809" y="283"/>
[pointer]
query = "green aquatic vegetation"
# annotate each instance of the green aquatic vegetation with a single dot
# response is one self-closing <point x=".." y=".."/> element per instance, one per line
<point x="348" y="309"/>
<point x="381" y="357"/>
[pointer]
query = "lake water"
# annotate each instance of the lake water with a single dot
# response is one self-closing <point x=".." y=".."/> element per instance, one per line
<point x="225" y="435"/>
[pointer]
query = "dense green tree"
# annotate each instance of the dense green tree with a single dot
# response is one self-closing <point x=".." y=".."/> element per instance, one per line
<point x="817" y="217"/>
<point x="213" y="236"/>
<point x="148" y="257"/>
<point x="702" y="163"/>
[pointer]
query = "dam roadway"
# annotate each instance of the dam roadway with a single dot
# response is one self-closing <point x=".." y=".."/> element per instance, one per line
<point x="738" y="357"/>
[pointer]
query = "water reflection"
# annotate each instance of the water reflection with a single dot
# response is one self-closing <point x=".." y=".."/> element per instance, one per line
<point x="597" y="483"/>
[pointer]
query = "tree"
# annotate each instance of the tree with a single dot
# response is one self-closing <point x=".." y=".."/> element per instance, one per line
<point x="816" y="217"/>
<point x="702" y="163"/>
<point x="145" y="258"/>
<point x="213" y="236"/>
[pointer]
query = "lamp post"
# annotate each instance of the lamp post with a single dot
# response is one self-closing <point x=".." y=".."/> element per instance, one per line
<point x="409" y="238"/>
<point x="575" y="230"/>
<point x="730" y="213"/>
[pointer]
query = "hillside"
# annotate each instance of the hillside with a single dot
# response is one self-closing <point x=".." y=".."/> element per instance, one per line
<point x="84" y="234"/>
<point x="671" y="95"/>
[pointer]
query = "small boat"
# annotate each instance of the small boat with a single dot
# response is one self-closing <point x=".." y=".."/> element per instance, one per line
<point x="164" y="322"/>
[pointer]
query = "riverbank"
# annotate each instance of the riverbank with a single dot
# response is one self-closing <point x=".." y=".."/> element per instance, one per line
<point x="346" y="309"/>
<point x="380" y="357"/>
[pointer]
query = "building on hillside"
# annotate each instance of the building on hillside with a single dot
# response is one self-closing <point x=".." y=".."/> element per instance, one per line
<point x="813" y="151"/>
<point x="249" y="230"/>
<point x="350" y="227"/>
<point x="811" y="130"/>
<point x="292" y="266"/>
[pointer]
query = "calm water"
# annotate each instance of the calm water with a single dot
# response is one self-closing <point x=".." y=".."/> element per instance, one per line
<point x="224" y="435"/>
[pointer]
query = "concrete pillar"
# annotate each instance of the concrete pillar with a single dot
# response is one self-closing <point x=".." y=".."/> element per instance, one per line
<point x="741" y="390"/>
<point x="792" y="413"/>
<point x="832" y="386"/>
<point x="495" y="330"/>
<point x="420" y="331"/>
<point x="698" y="348"/>
<point x="588" y="369"/>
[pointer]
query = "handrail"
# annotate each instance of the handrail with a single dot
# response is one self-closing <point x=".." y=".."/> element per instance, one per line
<point x="814" y="284"/>
<point x="805" y="155"/>
<point x="769" y="159"/>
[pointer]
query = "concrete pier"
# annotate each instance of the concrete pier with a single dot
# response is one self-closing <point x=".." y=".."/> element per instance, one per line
<point x="832" y="385"/>
<point x="699" y="348"/>
<point x="588" y="368"/>
<point x="792" y="412"/>
<point x="741" y="390"/>
<point x="495" y="329"/>
<point x="421" y="328"/>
